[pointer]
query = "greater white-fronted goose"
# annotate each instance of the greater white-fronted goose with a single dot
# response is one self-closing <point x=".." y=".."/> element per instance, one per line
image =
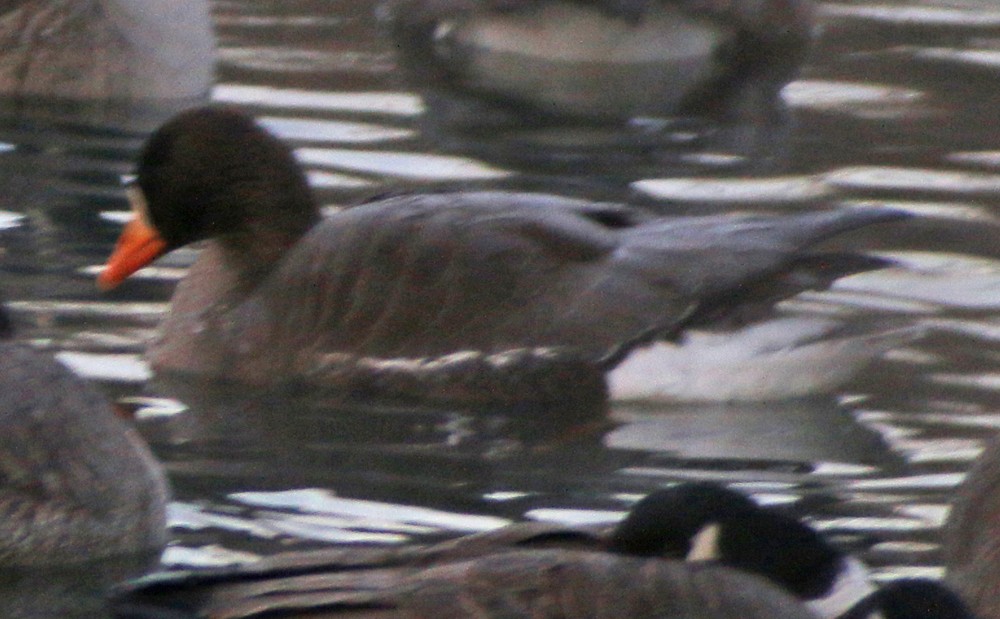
<point x="454" y="296"/>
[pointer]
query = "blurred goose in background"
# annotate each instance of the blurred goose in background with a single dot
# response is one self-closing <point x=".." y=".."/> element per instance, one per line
<point x="604" y="59"/>
<point x="631" y="569"/>
<point x="512" y="584"/>
<point x="106" y="50"/>
<point x="458" y="297"/>
<point x="711" y="522"/>
<point x="525" y="569"/>
<point x="972" y="536"/>
<point x="76" y="483"/>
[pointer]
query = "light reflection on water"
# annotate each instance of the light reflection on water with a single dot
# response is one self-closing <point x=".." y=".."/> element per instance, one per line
<point x="369" y="103"/>
<point x="258" y="474"/>
<point x="418" y="166"/>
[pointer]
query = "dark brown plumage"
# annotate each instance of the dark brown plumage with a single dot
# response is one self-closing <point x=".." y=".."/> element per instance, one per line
<point x="537" y="569"/>
<point x="530" y="569"/>
<point x="554" y="584"/>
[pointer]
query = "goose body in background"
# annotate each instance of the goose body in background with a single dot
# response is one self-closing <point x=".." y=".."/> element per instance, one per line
<point x="452" y="296"/>
<point x="971" y="544"/>
<point x="511" y="584"/>
<point x="633" y="569"/>
<point x="604" y="59"/>
<point x="711" y="522"/>
<point x="76" y="483"/>
<point x="106" y="50"/>
<point x="736" y="552"/>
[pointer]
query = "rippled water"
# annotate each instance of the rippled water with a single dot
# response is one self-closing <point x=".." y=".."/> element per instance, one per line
<point x="897" y="106"/>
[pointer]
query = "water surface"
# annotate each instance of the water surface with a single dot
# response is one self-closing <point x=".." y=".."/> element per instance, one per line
<point x="897" y="107"/>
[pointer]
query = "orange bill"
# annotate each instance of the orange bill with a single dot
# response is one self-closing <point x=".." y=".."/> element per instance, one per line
<point x="137" y="246"/>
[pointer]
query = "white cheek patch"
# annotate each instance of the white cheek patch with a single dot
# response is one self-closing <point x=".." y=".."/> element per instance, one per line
<point x="139" y="205"/>
<point x="705" y="544"/>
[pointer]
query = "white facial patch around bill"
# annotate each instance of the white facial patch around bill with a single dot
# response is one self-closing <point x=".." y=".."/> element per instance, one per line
<point x="140" y="207"/>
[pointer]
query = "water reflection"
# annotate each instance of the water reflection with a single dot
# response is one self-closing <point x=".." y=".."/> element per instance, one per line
<point x="65" y="169"/>
<point x="877" y="121"/>
<point x="806" y="431"/>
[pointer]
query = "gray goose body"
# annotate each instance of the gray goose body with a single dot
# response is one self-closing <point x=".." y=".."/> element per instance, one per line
<point x="602" y="60"/>
<point x="76" y="484"/>
<point x="631" y="570"/>
<point x="106" y="50"/>
<point x="512" y="584"/>
<point x="532" y="569"/>
<point x="970" y="545"/>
